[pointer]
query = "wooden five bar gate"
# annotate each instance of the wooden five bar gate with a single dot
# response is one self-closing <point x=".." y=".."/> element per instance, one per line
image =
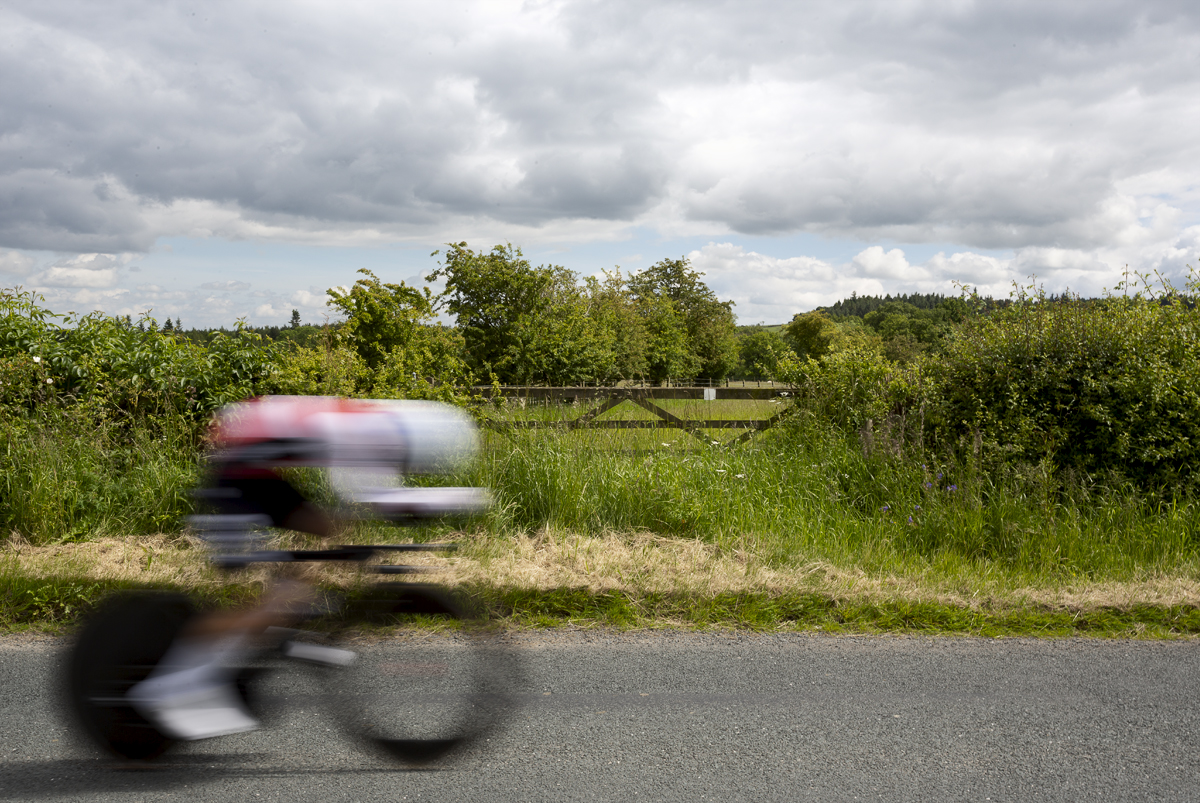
<point x="644" y="397"/>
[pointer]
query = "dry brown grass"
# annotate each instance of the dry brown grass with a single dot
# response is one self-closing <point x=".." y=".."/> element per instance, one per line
<point x="640" y="563"/>
<point x="152" y="560"/>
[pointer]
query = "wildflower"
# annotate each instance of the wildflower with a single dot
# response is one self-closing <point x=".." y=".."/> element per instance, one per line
<point x="939" y="475"/>
<point x="666" y="444"/>
<point x="720" y="471"/>
<point x="37" y="359"/>
<point x="928" y="485"/>
<point x="715" y="443"/>
<point x="951" y="487"/>
<point x="885" y="508"/>
<point x="740" y="476"/>
<point x="917" y="508"/>
<point x="910" y="521"/>
<point x="49" y="381"/>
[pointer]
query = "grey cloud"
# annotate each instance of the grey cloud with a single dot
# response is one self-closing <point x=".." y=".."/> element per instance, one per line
<point x="995" y="125"/>
<point x="50" y="210"/>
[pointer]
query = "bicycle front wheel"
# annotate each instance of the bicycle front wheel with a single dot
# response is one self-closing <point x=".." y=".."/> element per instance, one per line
<point x="427" y="694"/>
<point x="117" y="648"/>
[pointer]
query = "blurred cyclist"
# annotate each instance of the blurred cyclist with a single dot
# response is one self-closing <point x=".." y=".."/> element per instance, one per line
<point x="366" y="444"/>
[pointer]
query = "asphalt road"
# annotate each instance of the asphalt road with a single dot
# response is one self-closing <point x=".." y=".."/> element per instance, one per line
<point x="672" y="716"/>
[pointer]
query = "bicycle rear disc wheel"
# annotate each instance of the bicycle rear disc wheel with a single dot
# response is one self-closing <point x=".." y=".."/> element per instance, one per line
<point x="116" y="649"/>
<point x="423" y="697"/>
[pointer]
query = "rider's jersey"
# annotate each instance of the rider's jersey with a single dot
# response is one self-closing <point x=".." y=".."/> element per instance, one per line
<point x="276" y="431"/>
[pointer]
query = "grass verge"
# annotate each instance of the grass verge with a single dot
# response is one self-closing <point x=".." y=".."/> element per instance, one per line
<point x="631" y="580"/>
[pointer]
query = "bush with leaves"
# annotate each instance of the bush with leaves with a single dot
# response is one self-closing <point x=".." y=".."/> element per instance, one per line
<point x="381" y="316"/>
<point x="390" y="346"/>
<point x="330" y="370"/>
<point x="1108" y="386"/>
<point x="110" y="363"/>
<point x="102" y="418"/>
<point x="860" y="389"/>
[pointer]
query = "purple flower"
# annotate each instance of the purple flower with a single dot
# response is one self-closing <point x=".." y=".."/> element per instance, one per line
<point x="916" y="507"/>
<point x="910" y="519"/>
<point x="951" y="487"/>
<point x="928" y="485"/>
<point x="939" y="475"/>
<point x="885" y="508"/>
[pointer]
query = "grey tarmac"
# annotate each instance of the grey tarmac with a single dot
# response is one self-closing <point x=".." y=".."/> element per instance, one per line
<point x="663" y="715"/>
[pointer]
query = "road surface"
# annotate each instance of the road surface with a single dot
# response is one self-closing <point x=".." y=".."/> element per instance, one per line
<point x="684" y="716"/>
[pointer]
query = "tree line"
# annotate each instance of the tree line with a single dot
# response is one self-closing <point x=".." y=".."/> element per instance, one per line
<point x="1088" y="388"/>
<point x="517" y="323"/>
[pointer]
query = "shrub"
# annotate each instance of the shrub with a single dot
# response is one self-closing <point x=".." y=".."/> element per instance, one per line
<point x="1100" y="387"/>
<point x="859" y="389"/>
<point x="113" y="364"/>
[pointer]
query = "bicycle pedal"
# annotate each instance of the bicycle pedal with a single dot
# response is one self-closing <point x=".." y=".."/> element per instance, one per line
<point x="319" y="654"/>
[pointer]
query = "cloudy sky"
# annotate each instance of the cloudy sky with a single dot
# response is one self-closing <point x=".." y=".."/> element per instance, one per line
<point x="217" y="160"/>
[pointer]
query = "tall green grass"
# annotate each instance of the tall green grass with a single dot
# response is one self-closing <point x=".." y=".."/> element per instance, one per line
<point x="801" y="493"/>
<point x="67" y="474"/>
<point x="811" y="492"/>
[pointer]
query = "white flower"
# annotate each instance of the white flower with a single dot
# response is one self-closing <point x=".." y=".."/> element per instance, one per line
<point x="49" y="381"/>
<point x="666" y="444"/>
<point x="740" y="476"/>
<point x="37" y="359"/>
<point x="720" y="471"/>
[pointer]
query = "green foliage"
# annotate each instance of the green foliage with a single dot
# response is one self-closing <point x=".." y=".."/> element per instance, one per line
<point x="811" y="334"/>
<point x="102" y="417"/>
<point x="858" y="306"/>
<point x="908" y="331"/>
<point x="1050" y="437"/>
<point x="759" y="352"/>
<point x="330" y="370"/>
<point x="812" y="492"/>
<point x="525" y="325"/>
<point x="528" y="325"/>
<point x="1107" y="387"/>
<point x="107" y="362"/>
<point x="432" y="366"/>
<point x="859" y="387"/>
<point x="897" y="319"/>
<point x="1104" y="388"/>
<point x="396" y="349"/>
<point x="620" y="328"/>
<point x="671" y="292"/>
<point x="302" y="335"/>
<point x="668" y="349"/>
<point x="69" y="474"/>
<point x="381" y="316"/>
<point x="816" y="335"/>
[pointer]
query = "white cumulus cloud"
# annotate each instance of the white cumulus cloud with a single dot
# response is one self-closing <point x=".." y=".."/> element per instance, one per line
<point x="16" y="264"/>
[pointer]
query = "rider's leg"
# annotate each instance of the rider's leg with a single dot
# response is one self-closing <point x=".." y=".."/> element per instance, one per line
<point x="191" y="694"/>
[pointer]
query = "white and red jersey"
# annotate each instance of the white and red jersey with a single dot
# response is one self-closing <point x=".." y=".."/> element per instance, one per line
<point x="411" y="436"/>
